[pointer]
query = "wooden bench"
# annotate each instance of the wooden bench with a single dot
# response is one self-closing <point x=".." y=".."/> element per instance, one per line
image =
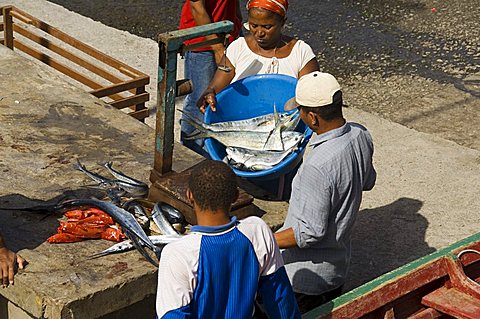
<point x="103" y="76"/>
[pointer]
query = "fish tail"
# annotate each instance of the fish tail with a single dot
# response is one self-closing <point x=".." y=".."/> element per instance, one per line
<point x="108" y="166"/>
<point x="278" y="123"/>
<point x="203" y="132"/>
<point x="276" y="117"/>
<point x="292" y="116"/>
<point x="196" y="136"/>
<point x="79" y="166"/>
<point x="136" y="242"/>
<point x="96" y="177"/>
<point x="195" y="124"/>
<point x="190" y="117"/>
<point x="124" y="177"/>
<point x="185" y="113"/>
<point x="290" y="121"/>
<point x="105" y="164"/>
<point x="274" y="141"/>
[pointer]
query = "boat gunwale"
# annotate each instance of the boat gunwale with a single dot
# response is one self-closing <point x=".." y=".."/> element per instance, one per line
<point x="434" y="264"/>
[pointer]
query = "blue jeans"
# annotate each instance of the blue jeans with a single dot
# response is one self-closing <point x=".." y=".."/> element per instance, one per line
<point x="200" y="68"/>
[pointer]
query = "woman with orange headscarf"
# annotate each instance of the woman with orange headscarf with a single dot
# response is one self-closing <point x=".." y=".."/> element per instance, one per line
<point x="264" y="50"/>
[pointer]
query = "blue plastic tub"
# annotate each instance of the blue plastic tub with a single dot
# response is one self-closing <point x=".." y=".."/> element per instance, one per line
<point x="250" y="97"/>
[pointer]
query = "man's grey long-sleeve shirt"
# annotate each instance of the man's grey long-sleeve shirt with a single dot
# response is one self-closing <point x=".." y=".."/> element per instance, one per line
<point x="326" y="196"/>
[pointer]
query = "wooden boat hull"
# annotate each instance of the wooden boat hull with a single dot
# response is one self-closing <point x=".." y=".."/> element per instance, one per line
<point x="444" y="284"/>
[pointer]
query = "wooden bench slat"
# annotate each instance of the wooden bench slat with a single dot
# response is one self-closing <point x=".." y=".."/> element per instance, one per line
<point x="129" y="101"/>
<point x="135" y="85"/>
<point x="140" y="115"/>
<point x="122" y="67"/>
<point x="66" y="54"/>
<point x="120" y="87"/>
<point x="45" y="58"/>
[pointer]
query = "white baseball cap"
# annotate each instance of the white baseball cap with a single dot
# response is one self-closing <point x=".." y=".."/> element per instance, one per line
<point x="314" y="90"/>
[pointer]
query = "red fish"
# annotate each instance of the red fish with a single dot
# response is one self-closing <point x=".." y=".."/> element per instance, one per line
<point x="113" y="234"/>
<point x="63" y="238"/>
<point x="81" y="230"/>
<point x="90" y="223"/>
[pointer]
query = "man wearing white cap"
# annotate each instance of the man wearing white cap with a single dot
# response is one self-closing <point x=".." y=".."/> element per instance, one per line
<point x="326" y="193"/>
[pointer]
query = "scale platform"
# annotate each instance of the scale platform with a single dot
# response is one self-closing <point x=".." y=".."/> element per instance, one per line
<point x="171" y="188"/>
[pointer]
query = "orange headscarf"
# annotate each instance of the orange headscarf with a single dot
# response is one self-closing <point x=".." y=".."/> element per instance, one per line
<point x="278" y="6"/>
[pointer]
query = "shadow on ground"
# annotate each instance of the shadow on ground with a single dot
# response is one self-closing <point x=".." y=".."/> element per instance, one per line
<point x="26" y="223"/>
<point x="385" y="238"/>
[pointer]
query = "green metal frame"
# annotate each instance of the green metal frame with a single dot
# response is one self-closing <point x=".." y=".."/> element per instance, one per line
<point x="171" y="43"/>
<point x="447" y="252"/>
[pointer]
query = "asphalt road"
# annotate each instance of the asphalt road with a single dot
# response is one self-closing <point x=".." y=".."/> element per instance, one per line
<point x="415" y="62"/>
<point x="406" y="37"/>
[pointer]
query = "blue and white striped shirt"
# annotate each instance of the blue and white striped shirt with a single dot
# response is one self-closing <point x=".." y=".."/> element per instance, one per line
<point x="326" y="196"/>
<point x="216" y="272"/>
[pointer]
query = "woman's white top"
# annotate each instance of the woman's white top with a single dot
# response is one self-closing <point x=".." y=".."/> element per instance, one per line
<point x="248" y="63"/>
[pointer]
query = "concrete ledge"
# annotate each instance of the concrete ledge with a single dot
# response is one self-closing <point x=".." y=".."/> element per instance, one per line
<point x="46" y="125"/>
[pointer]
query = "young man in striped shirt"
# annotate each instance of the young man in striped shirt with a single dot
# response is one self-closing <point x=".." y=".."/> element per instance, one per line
<point x="218" y="270"/>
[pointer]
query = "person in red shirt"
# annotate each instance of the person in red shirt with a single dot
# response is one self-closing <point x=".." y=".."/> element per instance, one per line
<point x="201" y="64"/>
<point x="265" y="50"/>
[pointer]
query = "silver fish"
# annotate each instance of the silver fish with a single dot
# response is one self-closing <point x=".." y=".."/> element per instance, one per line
<point x="255" y="160"/>
<point x="47" y="208"/>
<point x="134" y="207"/>
<point x="293" y="121"/>
<point x="115" y="195"/>
<point x="129" y="224"/>
<point x="161" y="221"/>
<point x="173" y="215"/>
<point x="127" y="245"/>
<point x="263" y="123"/>
<point x="121" y="176"/>
<point x="134" y="190"/>
<point x="262" y="141"/>
<point x="101" y="180"/>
